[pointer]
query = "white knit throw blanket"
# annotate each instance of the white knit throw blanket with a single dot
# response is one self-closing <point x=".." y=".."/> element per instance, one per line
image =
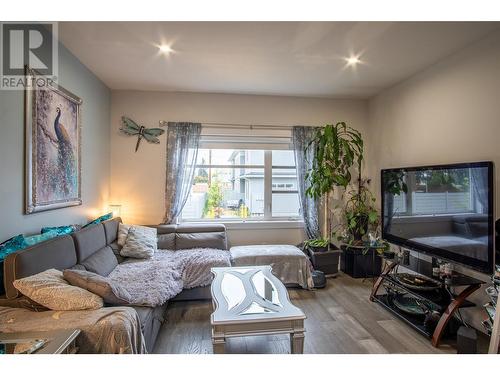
<point x="152" y="282"/>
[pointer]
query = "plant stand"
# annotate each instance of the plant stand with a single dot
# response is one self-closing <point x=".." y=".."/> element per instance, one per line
<point x="358" y="265"/>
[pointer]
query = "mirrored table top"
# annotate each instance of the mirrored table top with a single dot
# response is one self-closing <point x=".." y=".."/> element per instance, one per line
<point x="250" y="293"/>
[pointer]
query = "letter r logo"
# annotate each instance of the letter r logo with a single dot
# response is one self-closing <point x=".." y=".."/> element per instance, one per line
<point x="29" y="44"/>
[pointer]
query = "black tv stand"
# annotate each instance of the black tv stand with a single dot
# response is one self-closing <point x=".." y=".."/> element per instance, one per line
<point x="443" y="300"/>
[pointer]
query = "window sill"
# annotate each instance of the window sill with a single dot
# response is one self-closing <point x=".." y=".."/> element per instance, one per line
<point x="255" y="224"/>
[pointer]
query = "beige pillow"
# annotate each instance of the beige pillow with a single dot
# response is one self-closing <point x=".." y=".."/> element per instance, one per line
<point x="122" y="234"/>
<point x="142" y="242"/>
<point x="49" y="289"/>
<point x="110" y="291"/>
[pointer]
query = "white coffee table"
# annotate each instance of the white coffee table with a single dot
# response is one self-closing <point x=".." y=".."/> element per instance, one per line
<point x="251" y="301"/>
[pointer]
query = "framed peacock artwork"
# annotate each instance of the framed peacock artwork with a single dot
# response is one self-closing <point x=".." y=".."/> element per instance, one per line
<point x="53" y="147"/>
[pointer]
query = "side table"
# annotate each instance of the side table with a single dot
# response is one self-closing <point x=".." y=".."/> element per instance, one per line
<point x="58" y="341"/>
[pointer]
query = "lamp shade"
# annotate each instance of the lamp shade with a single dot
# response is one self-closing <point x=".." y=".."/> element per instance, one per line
<point x="116" y="209"/>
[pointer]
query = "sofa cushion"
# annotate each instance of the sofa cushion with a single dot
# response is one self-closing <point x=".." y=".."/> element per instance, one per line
<point x="213" y="240"/>
<point x="110" y="292"/>
<point x="165" y="228"/>
<point x="289" y="263"/>
<point x="101" y="262"/>
<point x="111" y="229"/>
<point x="56" y="253"/>
<point x="166" y="241"/>
<point x="141" y="242"/>
<point x="116" y="250"/>
<point x="200" y="228"/>
<point x="88" y="241"/>
<point x="49" y="289"/>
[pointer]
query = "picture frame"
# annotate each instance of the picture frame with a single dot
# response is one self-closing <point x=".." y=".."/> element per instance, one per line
<point x="52" y="147"/>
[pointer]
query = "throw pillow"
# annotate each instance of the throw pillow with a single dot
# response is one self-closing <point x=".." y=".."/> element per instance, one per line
<point x="110" y="292"/>
<point x="49" y="289"/>
<point x="141" y="242"/>
<point x="37" y="238"/>
<point x="100" y="219"/>
<point x="12" y="245"/>
<point x="122" y="234"/>
<point x="65" y="229"/>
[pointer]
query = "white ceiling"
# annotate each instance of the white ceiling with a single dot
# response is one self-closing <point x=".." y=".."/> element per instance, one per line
<point x="274" y="58"/>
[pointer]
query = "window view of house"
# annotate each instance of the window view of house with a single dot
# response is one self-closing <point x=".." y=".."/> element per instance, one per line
<point x="230" y="184"/>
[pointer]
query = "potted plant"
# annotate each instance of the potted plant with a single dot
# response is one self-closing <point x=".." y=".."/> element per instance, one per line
<point x="317" y="244"/>
<point x="359" y="213"/>
<point x="339" y="154"/>
<point x="323" y="254"/>
<point x="338" y="148"/>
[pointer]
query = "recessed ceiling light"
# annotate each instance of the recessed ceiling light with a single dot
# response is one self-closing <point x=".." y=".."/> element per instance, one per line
<point x="352" y="60"/>
<point x="165" y="48"/>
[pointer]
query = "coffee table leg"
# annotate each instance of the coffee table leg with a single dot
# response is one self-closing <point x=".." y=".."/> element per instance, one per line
<point x="297" y="342"/>
<point x="218" y="341"/>
<point x="297" y="337"/>
<point x="219" y="346"/>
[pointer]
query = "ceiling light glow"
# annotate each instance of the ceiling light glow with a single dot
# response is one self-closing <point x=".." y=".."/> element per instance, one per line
<point x="352" y="60"/>
<point x="165" y="48"/>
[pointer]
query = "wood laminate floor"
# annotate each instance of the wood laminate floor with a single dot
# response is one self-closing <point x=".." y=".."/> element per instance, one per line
<point x="340" y="320"/>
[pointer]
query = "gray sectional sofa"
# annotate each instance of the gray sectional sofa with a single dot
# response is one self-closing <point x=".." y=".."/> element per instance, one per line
<point x="95" y="249"/>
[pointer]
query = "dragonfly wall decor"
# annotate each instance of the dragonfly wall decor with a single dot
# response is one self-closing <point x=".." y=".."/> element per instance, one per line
<point x="130" y="127"/>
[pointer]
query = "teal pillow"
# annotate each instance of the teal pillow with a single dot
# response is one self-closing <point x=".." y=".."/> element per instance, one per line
<point x="62" y="230"/>
<point x="100" y="219"/>
<point x="12" y="245"/>
<point x="33" y="240"/>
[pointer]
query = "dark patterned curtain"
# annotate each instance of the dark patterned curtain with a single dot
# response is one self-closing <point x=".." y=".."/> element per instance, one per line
<point x="183" y="139"/>
<point x="304" y="156"/>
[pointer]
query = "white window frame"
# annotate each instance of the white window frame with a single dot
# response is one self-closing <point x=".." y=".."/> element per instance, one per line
<point x="268" y="147"/>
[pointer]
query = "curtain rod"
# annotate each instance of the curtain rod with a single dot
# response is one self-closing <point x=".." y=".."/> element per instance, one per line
<point x="223" y="125"/>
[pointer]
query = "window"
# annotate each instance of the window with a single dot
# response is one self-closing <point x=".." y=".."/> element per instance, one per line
<point x="243" y="184"/>
<point x="285" y="197"/>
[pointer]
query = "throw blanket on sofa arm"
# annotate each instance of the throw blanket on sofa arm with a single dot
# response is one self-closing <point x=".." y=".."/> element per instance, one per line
<point x="152" y="282"/>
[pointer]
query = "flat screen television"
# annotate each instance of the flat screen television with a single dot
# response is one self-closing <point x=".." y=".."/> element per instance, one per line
<point x="445" y="211"/>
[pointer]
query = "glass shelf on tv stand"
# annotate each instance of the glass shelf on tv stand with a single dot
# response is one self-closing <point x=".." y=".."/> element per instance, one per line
<point x="444" y="301"/>
<point x="456" y="279"/>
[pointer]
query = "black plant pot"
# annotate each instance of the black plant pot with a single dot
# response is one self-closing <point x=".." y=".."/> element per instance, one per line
<point x="358" y="265"/>
<point x="318" y="249"/>
<point x="325" y="261"/>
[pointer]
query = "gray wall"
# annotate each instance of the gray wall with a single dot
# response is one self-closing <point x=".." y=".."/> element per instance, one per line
<point x="448" y="113"/>
<point x="76" y="78"/>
